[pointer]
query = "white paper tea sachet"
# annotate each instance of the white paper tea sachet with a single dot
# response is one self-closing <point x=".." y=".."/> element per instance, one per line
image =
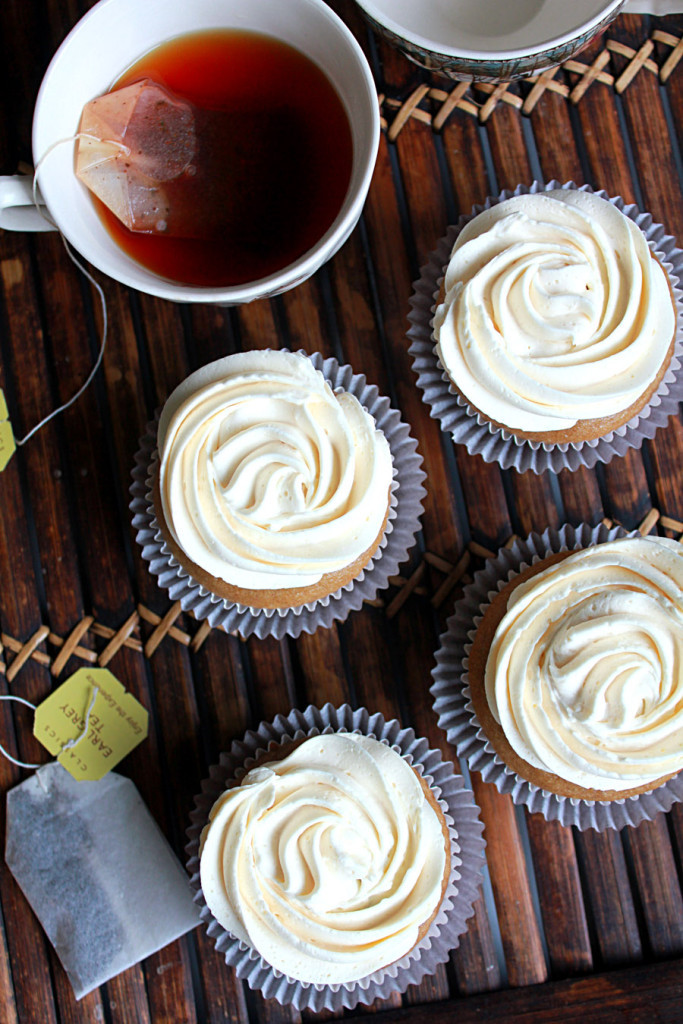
<point x="166" y="167"/>
<point x="90" y="859"/>
<point x="131" y="143"/>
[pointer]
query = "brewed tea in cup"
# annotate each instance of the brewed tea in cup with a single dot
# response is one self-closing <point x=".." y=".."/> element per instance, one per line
<point x="264" y="158"/>
<point x="117" y="37"/>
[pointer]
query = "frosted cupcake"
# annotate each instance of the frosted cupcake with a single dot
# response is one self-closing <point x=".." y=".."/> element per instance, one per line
<point x="572" y="680"/>
<point x="554" y="327"/>
<point x="338" y="861"/>
<point x="271" y="489"/>
<point x="330" y="862"/>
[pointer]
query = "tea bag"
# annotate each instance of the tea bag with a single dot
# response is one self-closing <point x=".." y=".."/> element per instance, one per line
<point x="167" y="167"/>
<point x="130" y="144"/>
<point x="97" y="871"/>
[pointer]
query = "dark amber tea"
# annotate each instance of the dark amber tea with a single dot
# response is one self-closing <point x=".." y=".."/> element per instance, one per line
<point x="273" y="163"/>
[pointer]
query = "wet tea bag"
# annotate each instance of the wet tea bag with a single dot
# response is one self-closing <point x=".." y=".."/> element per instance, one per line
<point x="131" y="144"/>
<point x="97" y="871"/>
<point x="166" y="167"/>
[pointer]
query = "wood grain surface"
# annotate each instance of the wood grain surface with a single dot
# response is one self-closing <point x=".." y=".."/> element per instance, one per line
<point x="568" y="926"/>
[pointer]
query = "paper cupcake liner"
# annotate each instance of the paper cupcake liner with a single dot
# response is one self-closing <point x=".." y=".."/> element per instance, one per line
<point x="403" y="525"/>
<point x="494" y="444"/>
<point x="457" y="717"/>
<point x="467" y="858"/>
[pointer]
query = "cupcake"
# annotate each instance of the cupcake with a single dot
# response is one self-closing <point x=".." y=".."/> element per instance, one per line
<point x="331" y="861"/>
<point x="571" y="695"/>
<point x="340" y="864"/>
<point x="273" y="491"/>
<point x="554" y="328"/>
<point x="272" y="488"/>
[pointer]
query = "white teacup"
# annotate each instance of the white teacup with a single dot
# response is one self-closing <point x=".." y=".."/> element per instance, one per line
<point x="497" y="40"/>
<point x="111" y="37"/>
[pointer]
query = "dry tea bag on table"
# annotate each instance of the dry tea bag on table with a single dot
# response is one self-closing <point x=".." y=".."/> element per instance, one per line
<point x="97" y="871"/>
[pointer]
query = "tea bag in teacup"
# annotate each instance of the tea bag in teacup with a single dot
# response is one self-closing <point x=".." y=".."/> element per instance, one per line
<point x="97" y="871"/>
<point x="164" y="166"/>
<point x="131" y="144"/>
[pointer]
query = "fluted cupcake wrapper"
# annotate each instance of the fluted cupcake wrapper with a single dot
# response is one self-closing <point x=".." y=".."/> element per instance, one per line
<point x="494" y="444"/>
<point x="402" y="527"/>
<point x="467" y="857"/>
<point x="456" y="714"/>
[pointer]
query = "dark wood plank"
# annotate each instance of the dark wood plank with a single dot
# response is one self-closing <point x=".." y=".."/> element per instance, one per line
<point x="43" y="456"/>
<point x="224" y="996"/>
<point x="560" y="896"/>
<point x="580" y="497"/>
<point x="269" y="1011"/>
<point x="306" y="324"/>
<point x="356" y="321"/>
<point x="637" y="995"/>
<point x="82" y="1012"/>
<point x="519" y="927"/>
<point x="8" y="1007"/>
<point x="508" y="149"/>
<point x="610" y="901"/>
<point x="658" y="886"/>
<point x="269" y="685"/>
<point x="128" y="998"/>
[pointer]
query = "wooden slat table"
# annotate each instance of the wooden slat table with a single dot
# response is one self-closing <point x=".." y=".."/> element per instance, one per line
<point x="569" y="926"/>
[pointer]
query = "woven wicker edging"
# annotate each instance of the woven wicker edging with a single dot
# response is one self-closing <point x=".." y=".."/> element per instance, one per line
<point x="480" y="99"/>
<point x="129" y="634"/>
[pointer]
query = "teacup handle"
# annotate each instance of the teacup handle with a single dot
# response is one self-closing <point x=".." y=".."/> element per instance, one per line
<point x="653" y="7"/>
<point x="17" y="209"/>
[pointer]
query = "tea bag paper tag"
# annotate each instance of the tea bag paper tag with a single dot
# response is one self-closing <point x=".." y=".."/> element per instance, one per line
<point x="116" y="723"/>
<point x="7" y="444"/>
<point x="97" y="871"/>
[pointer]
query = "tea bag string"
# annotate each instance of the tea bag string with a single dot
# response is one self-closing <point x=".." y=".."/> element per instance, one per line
<point x="69" y="745"/>
<point x="42" y="210"/>
<point x="6" y="753"/>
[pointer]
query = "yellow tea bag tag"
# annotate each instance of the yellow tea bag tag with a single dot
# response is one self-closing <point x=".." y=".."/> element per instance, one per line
<point x="90" y="723"/>
<point x="7" y="445"/>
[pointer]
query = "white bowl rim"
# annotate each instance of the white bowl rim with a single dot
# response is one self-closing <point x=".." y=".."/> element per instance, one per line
<point x="440" y="49"/>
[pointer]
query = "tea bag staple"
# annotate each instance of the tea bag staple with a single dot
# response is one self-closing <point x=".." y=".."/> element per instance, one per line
<point x="97" y="871"/>
<point x="130" y="143"/>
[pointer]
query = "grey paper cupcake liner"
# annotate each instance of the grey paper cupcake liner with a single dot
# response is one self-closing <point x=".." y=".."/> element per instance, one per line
<point x="494" y="444"/>
<point x="457" y="717"/>
<point x="403" y="525"/>
<point x="467" y="857"/>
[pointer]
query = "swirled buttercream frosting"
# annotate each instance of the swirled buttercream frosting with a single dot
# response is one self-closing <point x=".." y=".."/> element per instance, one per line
<point x="554" y="312"/>
<point x="328" y="862"/>
<point x="268" y="478"/>
<point x="585" y="671"/>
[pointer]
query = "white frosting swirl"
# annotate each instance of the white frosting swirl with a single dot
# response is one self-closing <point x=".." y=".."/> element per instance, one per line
<point x="327" y="862"/>
<point x="585" y="672"/>
<point x="554" y="311"/>
<point x="269" y="479"/>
